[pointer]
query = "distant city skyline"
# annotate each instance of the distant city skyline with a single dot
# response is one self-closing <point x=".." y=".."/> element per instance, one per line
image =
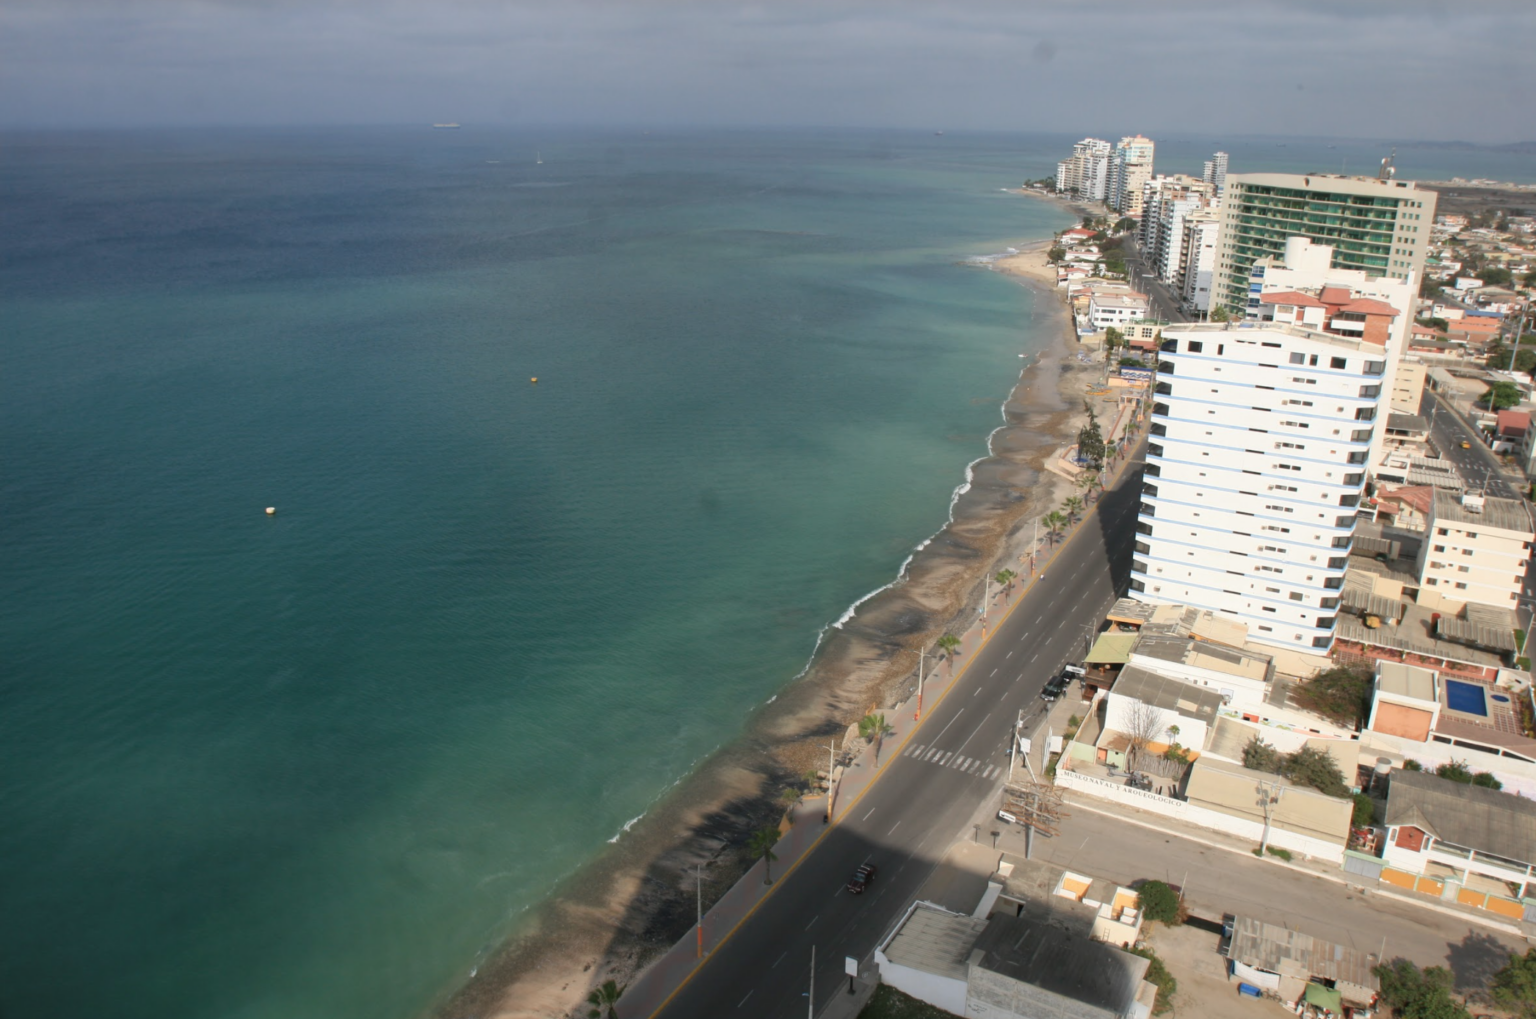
<point x="1420" y="71"/>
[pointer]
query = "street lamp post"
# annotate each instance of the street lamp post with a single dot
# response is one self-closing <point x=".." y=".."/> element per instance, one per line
<point x="698" y="898"/>
<point x="831" y="764"/>
<point x="917" y="715"/>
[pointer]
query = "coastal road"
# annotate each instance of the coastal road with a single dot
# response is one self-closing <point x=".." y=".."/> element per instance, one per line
<point x="904" y="823"/>
<point x="1475" y="465"/>
<point x="1163" y="302"/>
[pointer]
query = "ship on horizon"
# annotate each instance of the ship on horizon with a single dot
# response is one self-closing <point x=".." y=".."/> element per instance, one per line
<point x="445" y="127"/>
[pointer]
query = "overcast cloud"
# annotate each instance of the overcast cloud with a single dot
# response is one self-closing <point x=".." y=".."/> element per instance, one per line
<point x="1366" y="69"/>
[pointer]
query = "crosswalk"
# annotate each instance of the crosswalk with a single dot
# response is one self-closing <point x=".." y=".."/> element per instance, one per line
<point x="950" y="759"/>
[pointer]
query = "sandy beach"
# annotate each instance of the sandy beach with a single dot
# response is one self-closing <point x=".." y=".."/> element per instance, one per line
<point x="636" y="900"/>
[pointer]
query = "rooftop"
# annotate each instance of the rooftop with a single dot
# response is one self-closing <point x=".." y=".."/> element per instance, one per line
<point x="1204" y="655"/>
<point x="1169" y="694"/>
<point x="1487" y="820"/>
<point x="935" y="940"/>
<point x="1407" y="423"/>
<point x="1074" y="967"/>
<point x="1276" y="949"/>
<point x="1119" y="300"/>
<point x="1405" y="680"/>
<point x="1300" y="332"/>
<point x="1502" y="514"/>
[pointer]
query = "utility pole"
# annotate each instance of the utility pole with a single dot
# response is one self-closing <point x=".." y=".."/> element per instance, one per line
<point x="1013" y="748"/>
<point x="917" y="716"/>
<point x="1269" y="795"/>
<point x="986" y="596"/>
<point x="1038" y="807"/>
<point x="831" y="765"/>
<point x="698" y="897"/>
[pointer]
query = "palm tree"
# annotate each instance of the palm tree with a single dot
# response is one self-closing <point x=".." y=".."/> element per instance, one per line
<point x="761" y="847"/>
<point x="1088" y="481"/>
<point x="1005" y="579"/>
<point x="1054" y="522"/>
<point x="1073" y="506"/>
<point x="604" y="1001"/>
<point x="950" y="645"/>
<point x="874" y="729"/>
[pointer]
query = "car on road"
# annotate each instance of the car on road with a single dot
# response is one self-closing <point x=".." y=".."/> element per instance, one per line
<point x="862" y="878"/>
<point x="1465" y="444"/>
<point x="1058" y="684"/>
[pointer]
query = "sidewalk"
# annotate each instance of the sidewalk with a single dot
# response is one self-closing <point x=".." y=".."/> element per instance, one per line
<point x="656" y="984"/>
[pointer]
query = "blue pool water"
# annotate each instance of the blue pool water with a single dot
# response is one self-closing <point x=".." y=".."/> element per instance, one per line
<point x="1465" y="697"/>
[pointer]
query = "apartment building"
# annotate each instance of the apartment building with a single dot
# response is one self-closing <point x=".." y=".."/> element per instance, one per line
<point x="1408" y="385"/>
<point x="1256" y="460"/>
<point x="1166" y="203"/>
<point x="1215" y="173"/>
<point x="1380" y="227"/>
<point x="1115" y="309"/>
<point x="1302" y="287"/>
<point x="1202" y="231"/>
<point x="1475" y="550"/>
<point x="1086" y="171"/>
<point x="1130" y="167"/>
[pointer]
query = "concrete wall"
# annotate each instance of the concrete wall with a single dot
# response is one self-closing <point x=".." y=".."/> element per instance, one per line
<point x="1192" y="731"/>
<point x="1201" y="816"/>
<point x="941" y="992"/>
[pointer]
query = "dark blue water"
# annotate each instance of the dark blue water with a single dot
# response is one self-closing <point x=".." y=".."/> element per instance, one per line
<point x="317" y="764"/>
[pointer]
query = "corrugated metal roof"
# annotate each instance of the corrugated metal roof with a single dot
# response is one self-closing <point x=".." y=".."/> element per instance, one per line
<point x="1291" y="953"/>
<point x="1364" y="601"/>
<point x="1464" y="631"/>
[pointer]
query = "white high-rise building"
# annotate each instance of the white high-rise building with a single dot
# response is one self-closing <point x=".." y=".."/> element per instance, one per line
<point x="1086" y="171"/>
<point x="1130" y="167"/>
<point x="1216" y="173"/>
<point x="1302" y="288"/>
<point x="1201" y="231"/>
<point x="1260" y="439"/>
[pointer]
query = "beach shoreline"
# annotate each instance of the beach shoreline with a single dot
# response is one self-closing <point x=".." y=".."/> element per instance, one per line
<point x="634" y="901"/>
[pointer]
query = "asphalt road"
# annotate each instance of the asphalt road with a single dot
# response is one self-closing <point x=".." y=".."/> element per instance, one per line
<point x="1143" y="277"/>
<point x="1216" y="881"/>
<point x="907" y="819"/>
<point x="1475" y="465"/>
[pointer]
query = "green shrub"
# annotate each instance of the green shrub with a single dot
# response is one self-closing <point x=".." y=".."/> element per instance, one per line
<point x="1456" y="771"/>
<point x="1365" y="811"/>
<point x="1276" y="851"/>
<point x="1412" y="765"/>
<point x="1159" y="902"/>
<point x="1486" y="780"/>
<point x="1159" y="977"/>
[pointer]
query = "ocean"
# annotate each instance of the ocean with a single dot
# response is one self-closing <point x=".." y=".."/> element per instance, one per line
<point x="318" y="764"/>
<point x="321" y="763"/>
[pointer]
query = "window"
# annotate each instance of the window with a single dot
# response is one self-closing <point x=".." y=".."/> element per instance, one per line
<point x="1337" y="362"/>
<point x="1166" y="367"/>
<point x="1440" y="548"/>
<point x="1298" y="358"/>
<point x="1266" y="608"/>
<point x="1375" y="367"/>
<point x="1297" y="596"/>
<point x="1365" y="414"/>
<point x="1370" y="392"/>
<point x="1463" y="569"/>
<point x="1460" y="586"/>
<point x="1312" y="361"/>
<point x="1342" y="541"/>
<point x="1195" y="346"/>
<point x="1272" y="527"/>
<point x="1442" y="531"/>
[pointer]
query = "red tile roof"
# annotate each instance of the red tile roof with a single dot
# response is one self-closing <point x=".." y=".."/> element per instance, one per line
<point x="1295" y="297"/>
<point x="1334" y="295"/>
<point x="1370" y="306"/>
<point x="1514" y="422"/>
<point x="1420" y="497"/>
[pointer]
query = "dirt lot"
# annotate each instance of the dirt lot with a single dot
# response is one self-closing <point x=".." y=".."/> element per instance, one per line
<point x="1204" y="991"/>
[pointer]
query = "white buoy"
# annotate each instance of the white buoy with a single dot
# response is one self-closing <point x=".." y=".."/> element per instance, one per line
<point x="271" y="511"/>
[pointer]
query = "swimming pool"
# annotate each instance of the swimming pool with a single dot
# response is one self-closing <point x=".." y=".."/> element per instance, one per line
<point x="1468" y="698"/>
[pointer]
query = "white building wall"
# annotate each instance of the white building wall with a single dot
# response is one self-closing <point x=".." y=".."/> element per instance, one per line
<point x="1255" y="467"/>
<point x="1200" y="237"/>
<point x="1241" y="827"/>
<point x="1119" y="710"/>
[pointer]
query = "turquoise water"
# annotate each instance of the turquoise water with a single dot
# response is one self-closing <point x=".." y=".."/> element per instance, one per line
<point x="317" y="764"/>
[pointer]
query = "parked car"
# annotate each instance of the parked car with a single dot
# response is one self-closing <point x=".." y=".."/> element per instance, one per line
<point x="1057" y="685"/>
<point x="861" y="879"/>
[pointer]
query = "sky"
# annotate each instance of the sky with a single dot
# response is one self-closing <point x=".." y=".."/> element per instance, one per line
<point x="1345" y="68"/>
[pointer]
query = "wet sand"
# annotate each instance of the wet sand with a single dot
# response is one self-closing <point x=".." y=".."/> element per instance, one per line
<point x="634" y="901"/>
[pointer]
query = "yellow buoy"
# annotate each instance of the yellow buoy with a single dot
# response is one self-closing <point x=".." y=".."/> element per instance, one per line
<point x="271" y="511"/>
<point x="534" y="380"/>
